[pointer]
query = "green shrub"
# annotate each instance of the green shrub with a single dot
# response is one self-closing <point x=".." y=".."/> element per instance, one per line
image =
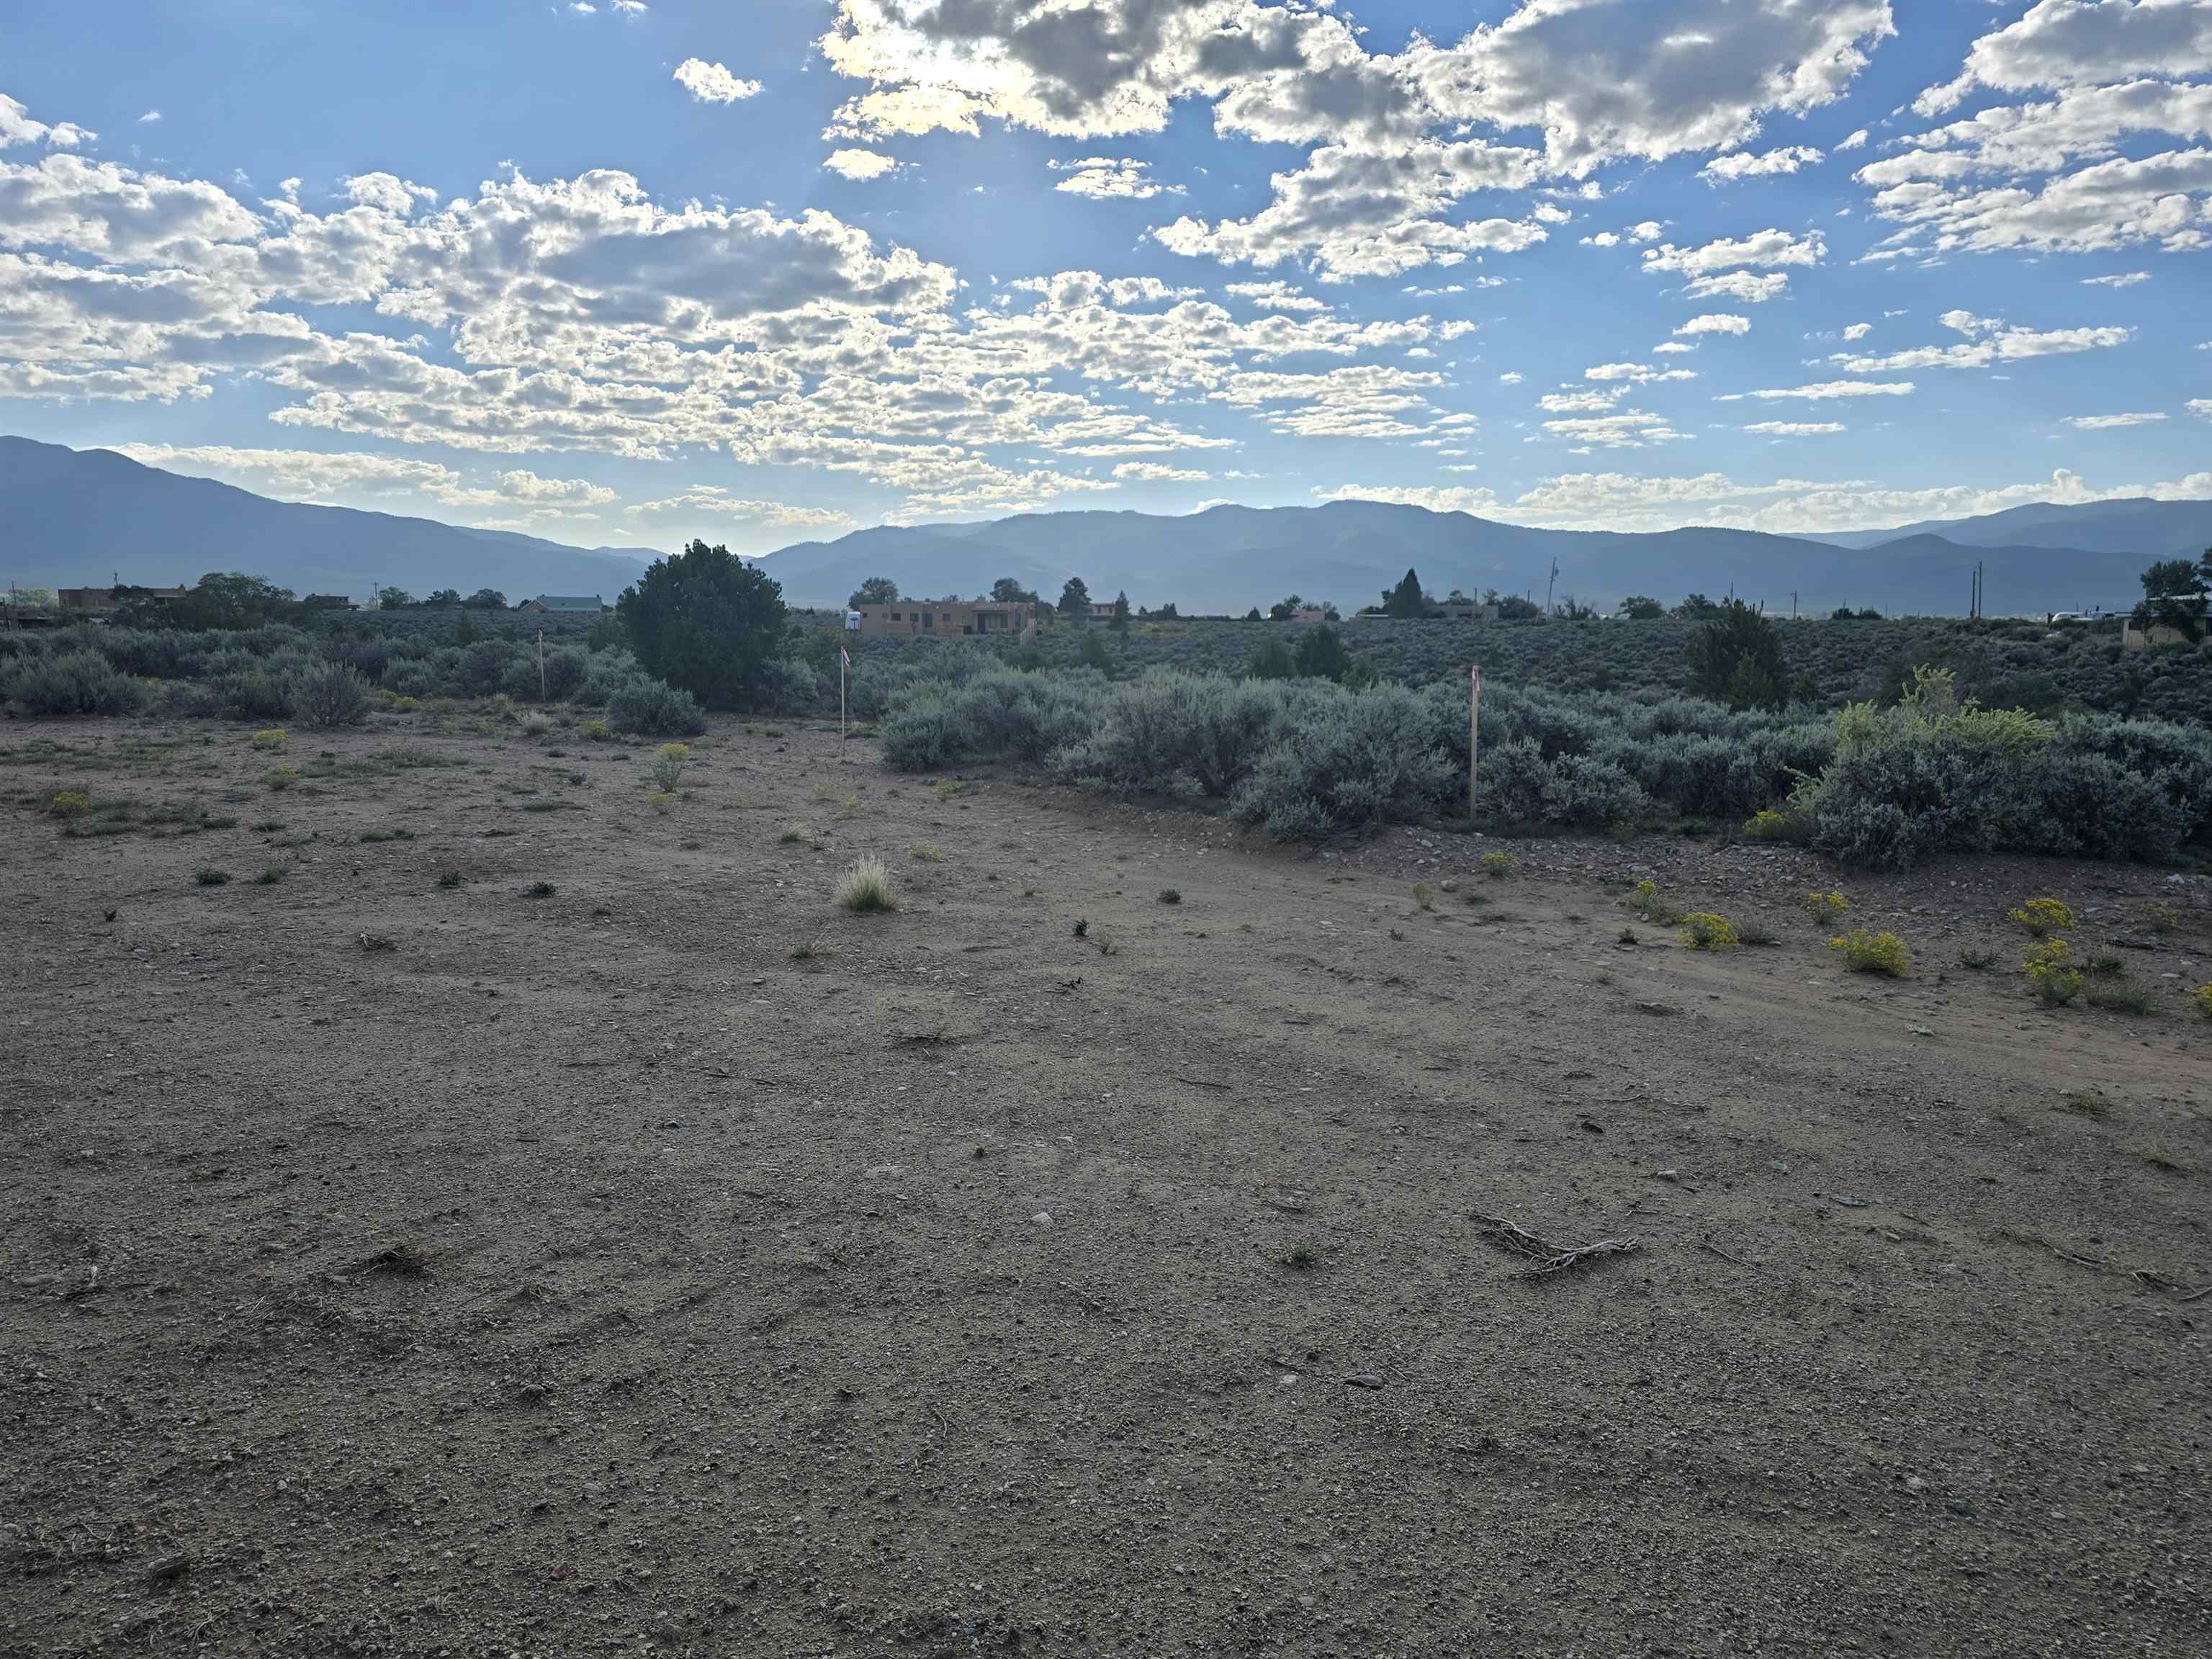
<point x="1498" y="865"/>
<point x="2043" y="915"/>
<point x="333" y="694"/>
<point x="1826" y="906"/>
<point x="1702" y="930"/>
<point x="1424" y="895"/>
<point x="1647" y="904"/>
<point x="2202" y="998"/>
<point x="2051" y="972"/>
<point x="73" y="683"/>
<point x="668" y="763"/>
<point x="1866" y="952"/>
<point x="652" y="709"/>
<point x="1766" y="824"/>
<point x="2122" y="998"/>
<point x="209" y="875"/>
<point x="69" y="804"/>
<point x="274" y="738"/>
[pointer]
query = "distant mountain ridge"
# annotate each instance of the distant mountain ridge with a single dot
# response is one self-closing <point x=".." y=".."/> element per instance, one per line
<point x="1228" y="558"/>
<point x="82" y="518"/>
<point x="72" y="517"/>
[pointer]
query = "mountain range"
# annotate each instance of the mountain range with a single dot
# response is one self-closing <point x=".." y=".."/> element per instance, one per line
<point x="85" y="518"/>
<point x="88" y="518"/>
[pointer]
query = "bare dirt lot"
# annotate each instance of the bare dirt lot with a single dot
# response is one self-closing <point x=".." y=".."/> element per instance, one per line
<point x="398" y="1257"/>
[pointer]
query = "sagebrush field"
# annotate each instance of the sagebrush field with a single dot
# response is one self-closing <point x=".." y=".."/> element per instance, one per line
<point x="512" y="1211"/>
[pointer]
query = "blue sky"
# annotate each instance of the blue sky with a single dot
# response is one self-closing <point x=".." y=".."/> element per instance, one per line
<point x="625" y="273"/>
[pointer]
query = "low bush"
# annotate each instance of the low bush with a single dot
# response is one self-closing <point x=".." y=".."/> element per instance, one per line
<point x="274" y="738"/>
<point x="1766" y="824"/>
<point x="1497" y="866"/>
<point x="2043" y="915"/>
<point x="1826" y="906"/>
<point x="1702" y="930"/>
<point x="2202" y="998"/>
<point x="668" y="763"/>
<point x="73" y="682"/>
<point x="652" y="709"/>
<point x="1646" y="902"/>
<point x="2121" y="999"/>
<point x="2052" y="974"/>
<point x="69" y="804"/>
<point x="1866" y="952"/>
<point x="333" y="694"/>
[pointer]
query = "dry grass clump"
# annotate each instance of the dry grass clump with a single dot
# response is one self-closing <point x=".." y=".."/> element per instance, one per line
<point x="1498" y="865"/>
<point x="867" y="886"/>
<point x="1647" y="904"/>
<point x="1424" y="895"/>
<point x="69" y="804"/>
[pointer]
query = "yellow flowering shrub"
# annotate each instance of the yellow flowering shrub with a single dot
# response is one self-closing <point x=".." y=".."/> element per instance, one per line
<point x="1865" y="952"/>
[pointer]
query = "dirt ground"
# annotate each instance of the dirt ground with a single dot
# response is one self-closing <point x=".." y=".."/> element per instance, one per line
<point x="389" y="1267"/>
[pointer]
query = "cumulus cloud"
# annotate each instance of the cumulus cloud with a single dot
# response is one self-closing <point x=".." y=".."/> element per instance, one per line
<point x="306" y="474"/>
<point x="2123" y="279"/>
<point x="16" y="127"/>
<point x="1795" y="428"/>
<point x="1102" y="176"/>
<point x="1276" y="296"/>
<point x="1744" y="287"/>
<point x="1716" y="322"/>
<point x="1828" y="390"/>
<point x="1744" y="164"/>
<point x="2078" y="171"/>
<point x="1392" y="140"/>
<point x="1994" y="342"/>
<point x="860" y="164"/>
<point x="710" y="83"/>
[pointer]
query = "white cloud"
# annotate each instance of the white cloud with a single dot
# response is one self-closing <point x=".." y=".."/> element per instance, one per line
<point x="1765" y="249"/>
<point x="2107" y="422"/>
<point x="1103" y="176"/>
<point x="305" y="474"/>
<point x="1743" y="164"/>
<point x="1154" y="472"/>
<point x="1856" y="140"/>
<point x="16" y="127"/>
<point x="1509" y="378"/>
<point x="1827" y="391"/>
<point x="150" y="115"/>
<point x="1742" y="286"/>
<point x="2063" y="43"/>
<point x="1858" y="330"/>
<point x="1715" y="322"/>
<point x="1276" y="296"/>
<point x="1391" y="141"/>
<point x="1631" y="428"/>
<point x="860" y="164"/>
<point x="712" y="500"/>
<point x="1994" y="342"/>
<point x="1795" y="429"/>
<point x="2124" y="279"/>
<point x="710" y="83"/>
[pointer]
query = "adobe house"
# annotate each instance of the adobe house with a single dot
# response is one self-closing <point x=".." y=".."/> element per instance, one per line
<point x="940" y="619"/>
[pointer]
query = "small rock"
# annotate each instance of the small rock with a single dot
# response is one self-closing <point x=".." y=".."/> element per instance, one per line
<point x="1365" y="1380"/>
<point x="164" y="1568"/>
<point x="1043" y="1218"/>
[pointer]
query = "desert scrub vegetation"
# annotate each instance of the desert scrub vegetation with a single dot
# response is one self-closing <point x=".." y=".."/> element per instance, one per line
<point x="2201" y="999"/>
<point x="69" y="804"/>
<point x="2052" y="973"/>
<point x="2041" y="917"/>
<point x="1703" y="930"/>
<point x="78" y="682"/>
<point x="661" y="800"/>
<point x="1864" y="951"/>
<point x="275" y="737"/>
<point x="866" y="886"/>
<point x="1825" y="908"/>
<point x="925" y="854"/>
<point x="1424" y="896"/>
<point x="669" y="762"/>
<point x="1766" y="824"/>
<point x="332" y="694"/>
<point x="1646" y="901"/>
<point x="281" y="778"/>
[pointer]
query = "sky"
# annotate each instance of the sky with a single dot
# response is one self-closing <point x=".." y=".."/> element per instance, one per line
<point x="624" y="272"/>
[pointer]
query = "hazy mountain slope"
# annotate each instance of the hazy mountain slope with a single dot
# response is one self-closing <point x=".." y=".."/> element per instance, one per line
<point x="80" y="518"/>
<point x="1228" y="558"/>
<point x="2140" y="527"/>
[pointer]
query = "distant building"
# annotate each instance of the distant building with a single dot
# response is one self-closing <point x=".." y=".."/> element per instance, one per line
<point x="99" y="601"/>
<point x="2135" y="636"/>
<point x="588" y="603"/>
<point x="1469" y="612"/>
<point x="328" y="602"/>
<point x="945" y="619"/>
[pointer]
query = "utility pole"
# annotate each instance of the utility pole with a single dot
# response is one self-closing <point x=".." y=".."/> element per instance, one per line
<point x="1793" y="604"/>
<point x="1548" y="582"/>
